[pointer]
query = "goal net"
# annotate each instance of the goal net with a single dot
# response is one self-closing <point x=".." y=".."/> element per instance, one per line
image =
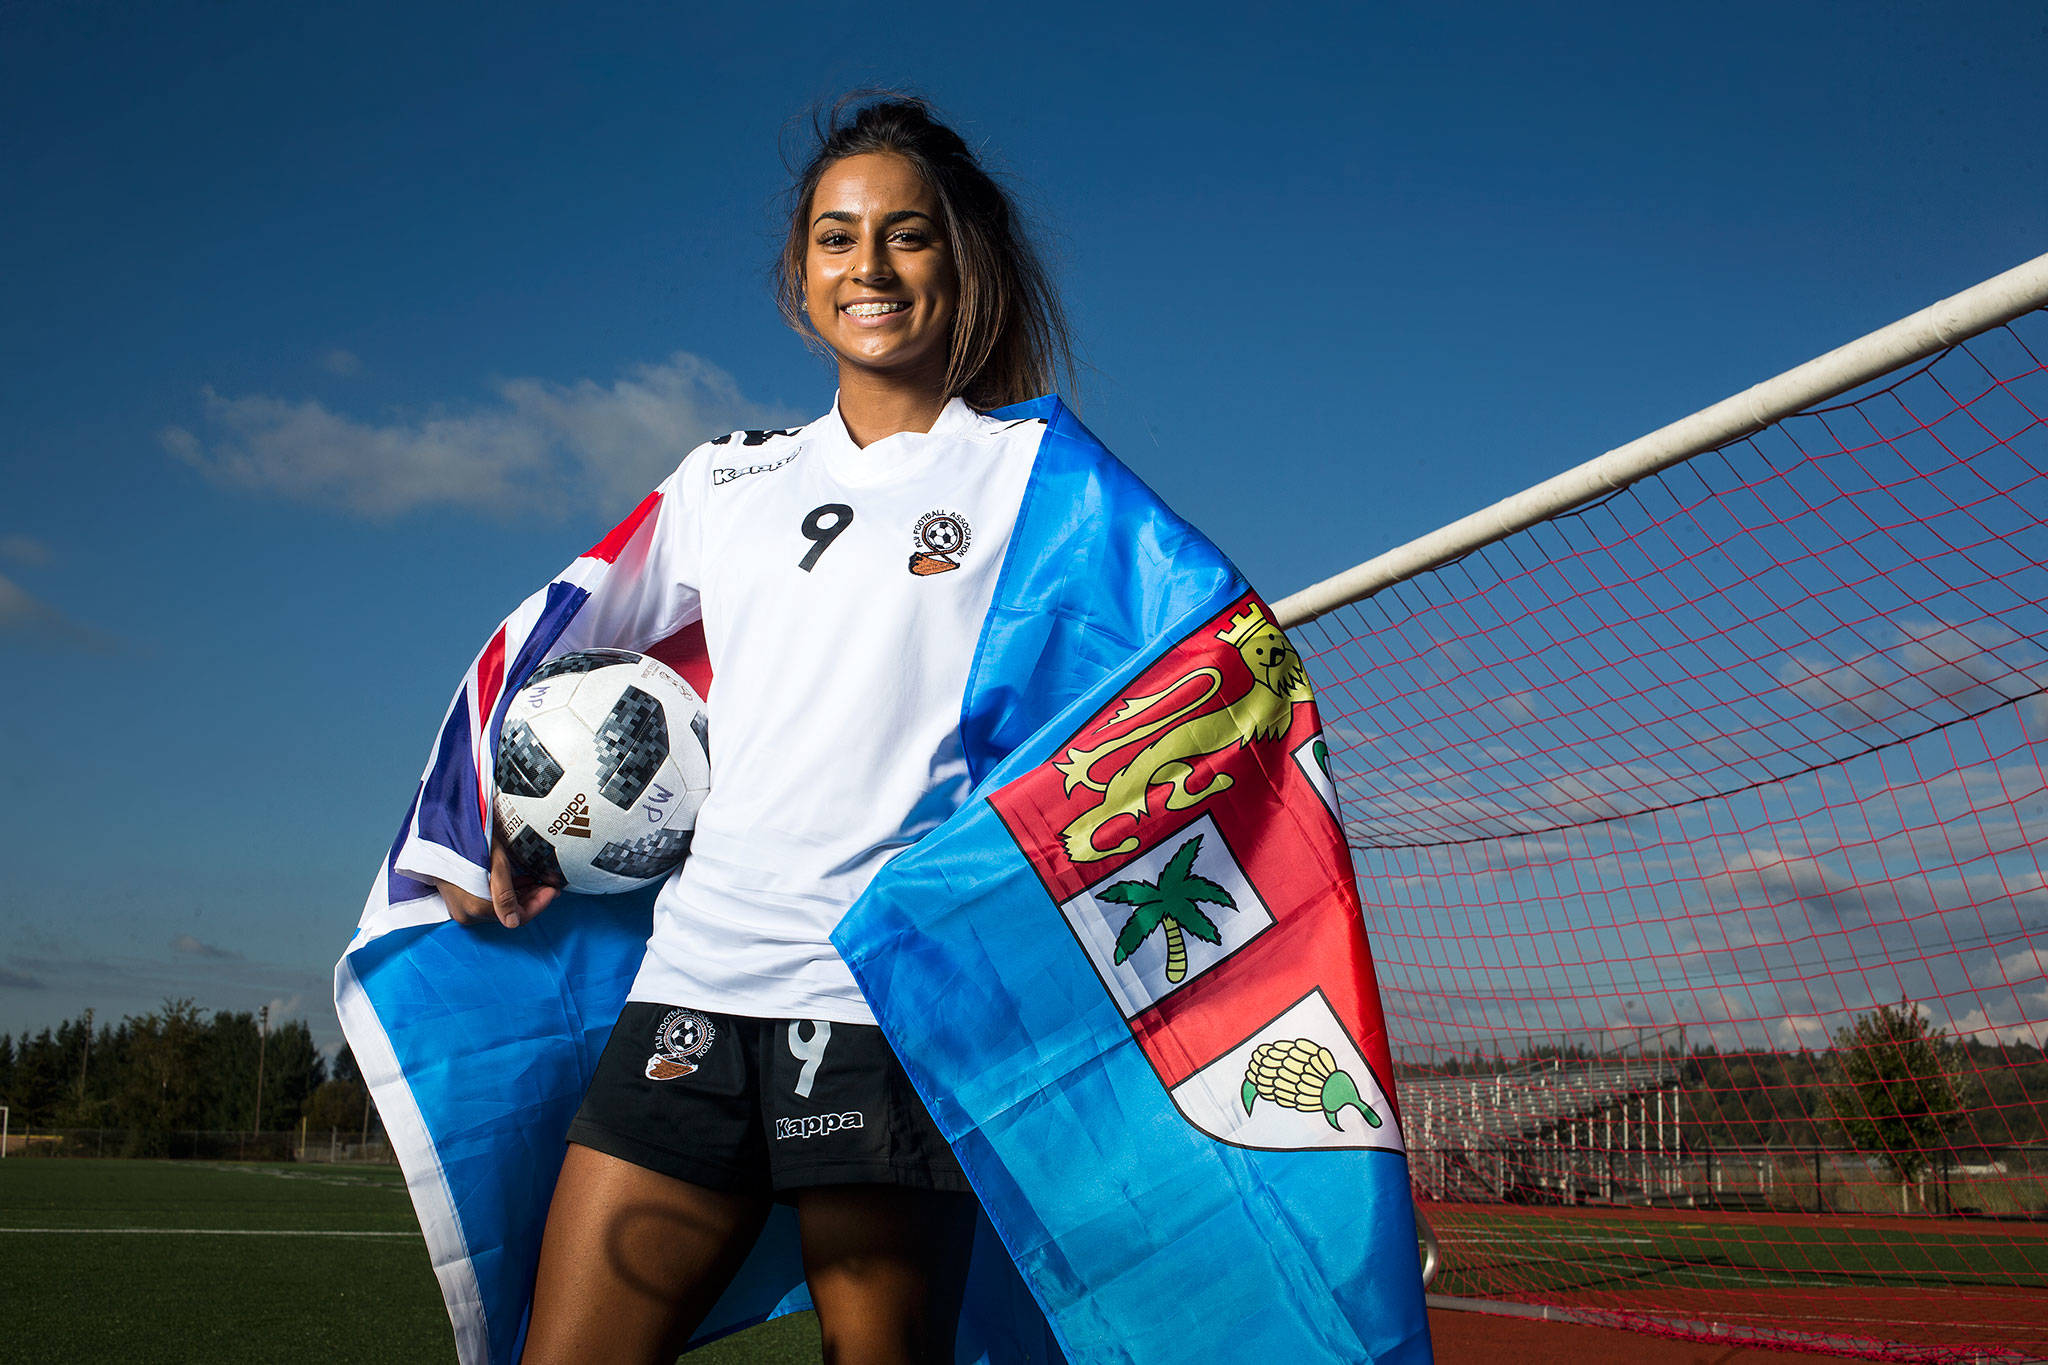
<point x="1701" y="830"/>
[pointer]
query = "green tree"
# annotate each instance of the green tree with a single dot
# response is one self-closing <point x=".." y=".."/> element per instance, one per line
<point x="342" y="1103"/>
<point x="84" y="1061"/>
<point x="338" y="1106"/>
<point x="38" y="1085"/>
<point x="233" y="1049"/>
<point x="164" y="1088"/>
<point x="1172" y="904"/>
<point x="1897" y="1091"/>
<point x="293" y="1071"/>
<point x="236" y="1049"/>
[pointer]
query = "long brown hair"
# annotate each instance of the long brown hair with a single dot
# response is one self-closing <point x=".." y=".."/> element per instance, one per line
<point x="1010" y="338"/>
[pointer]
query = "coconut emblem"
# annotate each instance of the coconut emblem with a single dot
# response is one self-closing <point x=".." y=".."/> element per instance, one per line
<point x="1302" y="1074"/>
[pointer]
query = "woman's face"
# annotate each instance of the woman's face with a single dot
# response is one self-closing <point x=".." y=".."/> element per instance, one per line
<point x="880" y="283"/>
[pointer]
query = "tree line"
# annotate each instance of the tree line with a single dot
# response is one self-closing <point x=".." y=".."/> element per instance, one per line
<point x="177" y="1069"/>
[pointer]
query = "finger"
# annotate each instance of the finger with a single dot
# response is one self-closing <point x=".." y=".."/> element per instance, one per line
<point x="504" y="895"/>
<point x="535" y="899"/>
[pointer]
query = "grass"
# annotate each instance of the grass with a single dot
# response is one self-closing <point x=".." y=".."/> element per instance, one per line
<point x="1495" y="1252"/>
<point x="224" y="1262"/>
<point x="182" y="1261"/>
<point x="1896" y="1288"/>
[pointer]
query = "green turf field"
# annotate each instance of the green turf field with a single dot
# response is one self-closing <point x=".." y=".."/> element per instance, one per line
<point x="188" y="1261"/>
<point x="149" y="1261"/>
<point x="1498" y="1252"/>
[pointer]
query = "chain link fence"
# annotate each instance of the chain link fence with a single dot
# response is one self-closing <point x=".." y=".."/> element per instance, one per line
<point x="188" y="1144"/>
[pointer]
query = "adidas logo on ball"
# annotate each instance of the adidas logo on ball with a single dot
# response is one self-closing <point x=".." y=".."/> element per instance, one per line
<point x="574" y="821"/>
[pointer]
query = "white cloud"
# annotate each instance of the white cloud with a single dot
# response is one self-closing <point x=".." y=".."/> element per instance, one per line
<point x="24" y="550"/>
<point x="538" y="446"/>
<point x="345" y="363"/>
<point x="17" y="608"/>
<point x="23" y="611"/>
<point x="186" y="943"/>
<point x="1927" y="673"/>
<point x="2016" y="1012"/>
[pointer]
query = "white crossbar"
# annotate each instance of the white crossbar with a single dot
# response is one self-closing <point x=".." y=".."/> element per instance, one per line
<point x="1977" y="309"/>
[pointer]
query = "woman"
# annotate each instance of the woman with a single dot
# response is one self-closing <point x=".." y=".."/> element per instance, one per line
<point x="841" y="572"/>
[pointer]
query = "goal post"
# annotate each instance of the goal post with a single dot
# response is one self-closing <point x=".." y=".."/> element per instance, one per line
<point x="1913" y="338"/>
<point x="1698" y="799"/>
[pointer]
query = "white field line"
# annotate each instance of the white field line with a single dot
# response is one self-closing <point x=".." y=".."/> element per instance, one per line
<point x="212" y="1232"/>
<point x="1757" y="1279"/>
<point x="345" y="1181"/>
<point x="1976" y="1325"/>
<point x="1509" y="1239"/>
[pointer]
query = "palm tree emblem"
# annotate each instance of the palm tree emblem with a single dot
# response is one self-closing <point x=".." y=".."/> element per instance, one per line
<point x="1173" y="903"/>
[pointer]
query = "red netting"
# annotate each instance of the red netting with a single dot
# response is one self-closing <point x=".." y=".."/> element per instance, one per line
<point x="1701" y="833"/>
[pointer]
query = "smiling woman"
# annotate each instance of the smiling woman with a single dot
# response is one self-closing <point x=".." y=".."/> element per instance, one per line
<point x="891" y="601"/>
<point x="904" y="263"/>
<point x="891" y="189"/>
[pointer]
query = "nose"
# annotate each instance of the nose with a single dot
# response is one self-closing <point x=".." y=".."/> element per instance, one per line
<point x="871" y="263"/>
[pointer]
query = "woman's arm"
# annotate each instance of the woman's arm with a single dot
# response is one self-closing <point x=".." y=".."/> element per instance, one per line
<point x="632" y="589"/>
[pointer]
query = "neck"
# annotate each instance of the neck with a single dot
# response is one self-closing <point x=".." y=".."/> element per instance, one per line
<point x="874" y="406"/>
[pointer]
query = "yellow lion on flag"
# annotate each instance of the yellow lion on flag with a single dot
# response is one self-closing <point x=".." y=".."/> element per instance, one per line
<point x="1179" y="737"/>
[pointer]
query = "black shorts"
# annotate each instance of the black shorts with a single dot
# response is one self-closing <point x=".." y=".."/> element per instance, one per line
<point x="760" y="1106"/>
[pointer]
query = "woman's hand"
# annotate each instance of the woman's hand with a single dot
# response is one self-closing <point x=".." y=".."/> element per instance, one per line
<point x="515" y="897"/>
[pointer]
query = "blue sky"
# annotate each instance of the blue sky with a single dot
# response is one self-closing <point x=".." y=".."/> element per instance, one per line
<point x="330" y="331"/>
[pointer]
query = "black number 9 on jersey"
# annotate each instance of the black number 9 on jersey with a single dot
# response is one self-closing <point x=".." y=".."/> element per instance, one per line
<point x="821" y="527"/>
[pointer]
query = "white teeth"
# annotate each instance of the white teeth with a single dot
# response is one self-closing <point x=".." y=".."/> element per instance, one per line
<point x="874" y="310"/>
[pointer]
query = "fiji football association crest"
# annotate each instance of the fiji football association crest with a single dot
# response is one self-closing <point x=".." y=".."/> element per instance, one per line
<point x="940" y="539"/>
<point x="1188" y="834"/>
<point x="683" y="1037"/>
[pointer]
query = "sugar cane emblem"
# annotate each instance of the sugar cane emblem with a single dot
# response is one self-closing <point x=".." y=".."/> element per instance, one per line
<point x="1302" y="1074"/>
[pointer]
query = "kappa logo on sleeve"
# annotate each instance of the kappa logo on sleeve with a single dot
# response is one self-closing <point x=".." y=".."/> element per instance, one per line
<point x="819" y="1125"/>
<point x="684" y="1036"/>
<point x="727" y="474"/>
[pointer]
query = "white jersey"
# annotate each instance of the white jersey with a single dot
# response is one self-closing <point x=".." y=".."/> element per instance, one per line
<point x="842" y="592"/>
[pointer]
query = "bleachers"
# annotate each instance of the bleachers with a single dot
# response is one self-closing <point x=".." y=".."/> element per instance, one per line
<point x="1555" y="1130"/>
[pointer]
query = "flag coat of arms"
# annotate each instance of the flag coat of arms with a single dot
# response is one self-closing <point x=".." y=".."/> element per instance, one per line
<point x="1129" y="976"/>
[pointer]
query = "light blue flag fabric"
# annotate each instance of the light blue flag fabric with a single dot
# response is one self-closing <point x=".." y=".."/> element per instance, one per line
<point x="1171" y="1192"/>
<point x="1185" y="1144"/>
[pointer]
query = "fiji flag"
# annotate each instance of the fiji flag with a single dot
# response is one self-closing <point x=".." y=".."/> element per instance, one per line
<point x="1129" y="977"/>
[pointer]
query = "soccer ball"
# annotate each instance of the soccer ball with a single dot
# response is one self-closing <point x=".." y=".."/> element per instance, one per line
<point x="602" y="763"/>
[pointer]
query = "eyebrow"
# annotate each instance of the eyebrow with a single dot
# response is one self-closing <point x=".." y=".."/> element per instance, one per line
<point x="846" y="216"/>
